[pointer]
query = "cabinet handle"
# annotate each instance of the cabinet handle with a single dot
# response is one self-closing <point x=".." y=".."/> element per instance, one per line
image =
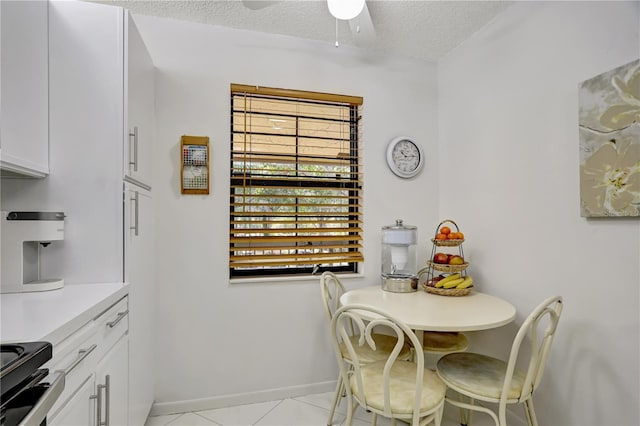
<point x="119" y="318"/>
<point x="136" y="216"/>
<point x="98" y="398"/>
<point x="82" y="354"/>
<point x="107" y="398"/>
<point x="107" y="401"/>
<point x="134" y="163"/>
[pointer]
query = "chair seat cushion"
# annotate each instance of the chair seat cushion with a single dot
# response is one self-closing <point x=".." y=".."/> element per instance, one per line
<point x="402" y="387"/>
<point x="435" y="341"/>
<point x="384" y="346"/>
<point x="478" y="374"/>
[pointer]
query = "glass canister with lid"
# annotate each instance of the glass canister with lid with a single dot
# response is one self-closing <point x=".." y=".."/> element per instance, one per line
<point x="399" y="258"/>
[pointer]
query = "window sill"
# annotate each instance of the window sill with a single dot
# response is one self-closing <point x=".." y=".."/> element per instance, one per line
<point x="281" y="279"/>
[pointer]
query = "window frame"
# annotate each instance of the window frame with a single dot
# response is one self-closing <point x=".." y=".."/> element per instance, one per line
<point x="352" y="185"/>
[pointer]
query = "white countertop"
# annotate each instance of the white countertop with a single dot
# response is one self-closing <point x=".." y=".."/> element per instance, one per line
<point x="52" y="315"/>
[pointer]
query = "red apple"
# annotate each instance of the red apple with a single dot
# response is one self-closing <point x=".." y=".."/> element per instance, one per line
<point x="432" y="282"/>
<point x="440" y="258"/>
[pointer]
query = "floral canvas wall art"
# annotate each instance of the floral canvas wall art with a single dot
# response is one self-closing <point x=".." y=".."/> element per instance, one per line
<point x="609" y="125"/>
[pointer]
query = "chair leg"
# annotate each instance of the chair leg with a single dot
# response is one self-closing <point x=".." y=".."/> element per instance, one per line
<point x="530" y="412"/>
<point x="374" y="419"/>
<point x="336" y="400"/>
<point x="437" y="420"/>
<point x="466" y="406"/>
<point x="465" y="414"/>
<point x="350" y="410"/>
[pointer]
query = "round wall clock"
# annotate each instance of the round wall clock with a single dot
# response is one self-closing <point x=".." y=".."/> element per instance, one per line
<point x="404" y="157"/>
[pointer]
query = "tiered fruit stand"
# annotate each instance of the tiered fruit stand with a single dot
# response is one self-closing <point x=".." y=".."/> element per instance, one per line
<point x="434" y="269"/>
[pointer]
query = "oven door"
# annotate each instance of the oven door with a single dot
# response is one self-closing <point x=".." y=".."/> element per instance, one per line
<point x="30" y="401"/>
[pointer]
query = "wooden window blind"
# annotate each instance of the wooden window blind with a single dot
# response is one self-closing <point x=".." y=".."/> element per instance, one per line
<point x="296" y="182"/>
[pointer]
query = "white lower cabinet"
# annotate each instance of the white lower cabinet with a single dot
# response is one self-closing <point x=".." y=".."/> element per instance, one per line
<point x="95" y="359"/>
<point x="80" y="409"/>
<point x="112" y="386"/>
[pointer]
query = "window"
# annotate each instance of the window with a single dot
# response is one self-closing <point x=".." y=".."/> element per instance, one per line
<point x="296" y="182"/>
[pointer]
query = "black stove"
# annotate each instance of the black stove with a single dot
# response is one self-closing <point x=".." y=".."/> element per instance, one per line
<point x="21" y="383"/>
<point x="20" y="360"/>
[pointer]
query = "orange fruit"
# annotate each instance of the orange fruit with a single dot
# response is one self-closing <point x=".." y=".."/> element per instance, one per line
<point x="441" y="237"/>
<point x="452" y="236"/>
<point x="445" y="230"/>
<point x="461" y="235"/>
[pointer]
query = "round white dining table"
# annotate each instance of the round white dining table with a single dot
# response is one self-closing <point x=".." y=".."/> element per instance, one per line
<point x="423" y="311"/>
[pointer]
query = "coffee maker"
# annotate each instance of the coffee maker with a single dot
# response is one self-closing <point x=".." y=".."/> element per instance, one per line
<point x="25" y="236"/>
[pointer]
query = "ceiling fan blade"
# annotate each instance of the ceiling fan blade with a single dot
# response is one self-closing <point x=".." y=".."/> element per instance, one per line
<point x="362" y="28"/>
<point x="258" y="4"/>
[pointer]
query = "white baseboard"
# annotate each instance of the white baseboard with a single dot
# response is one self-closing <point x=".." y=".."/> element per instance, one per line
<point x="164" y="408"/>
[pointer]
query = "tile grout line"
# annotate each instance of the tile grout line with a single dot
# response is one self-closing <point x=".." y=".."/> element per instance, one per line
<point x="207" y="418"/>
<point x="311" y="404"/>
<point x="270" y="410"/>
<point x="173" y="420"/>
<point x="336" y="413"/>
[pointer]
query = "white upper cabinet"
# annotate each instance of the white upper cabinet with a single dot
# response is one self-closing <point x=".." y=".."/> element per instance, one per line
<point x="24" y="130"/>
<point x="86" y="49"/>
<point x="139" y="106"/>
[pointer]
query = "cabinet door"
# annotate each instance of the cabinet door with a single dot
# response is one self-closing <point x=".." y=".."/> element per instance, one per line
<point x="79" y="410"/>
<point x="86" y="51"/>
<point x="139" y="106"/>
<point x="24" y="87"/>
<point x="139" y="273"/>
<point x="112" y="384"/>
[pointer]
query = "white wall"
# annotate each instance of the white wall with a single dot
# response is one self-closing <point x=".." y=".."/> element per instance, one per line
<point x="218" y="339"/>
<point x="508" y="110"/>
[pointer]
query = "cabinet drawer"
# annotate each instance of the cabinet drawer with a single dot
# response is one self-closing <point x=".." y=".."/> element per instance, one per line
<point x="78" y="355"/>
<point x="111" y="325"/>
<point x="78" y="359"/>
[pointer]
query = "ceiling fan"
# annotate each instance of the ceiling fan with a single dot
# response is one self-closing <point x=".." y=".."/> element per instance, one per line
<point x="355" y="12"/>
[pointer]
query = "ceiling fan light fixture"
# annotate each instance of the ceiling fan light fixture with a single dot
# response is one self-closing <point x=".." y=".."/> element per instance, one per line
<point x="345" y="9"/>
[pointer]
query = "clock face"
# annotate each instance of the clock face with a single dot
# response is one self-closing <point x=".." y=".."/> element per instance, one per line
<point x="404" y="157"/>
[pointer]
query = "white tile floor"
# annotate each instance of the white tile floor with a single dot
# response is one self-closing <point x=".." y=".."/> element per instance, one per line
<point x="309" y="410"/>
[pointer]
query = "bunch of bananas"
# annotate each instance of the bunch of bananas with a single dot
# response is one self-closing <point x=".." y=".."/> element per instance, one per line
<point x="455" y="281"/>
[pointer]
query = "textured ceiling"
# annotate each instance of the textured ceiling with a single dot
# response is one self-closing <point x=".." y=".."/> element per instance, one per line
<point x="418" y="28"/>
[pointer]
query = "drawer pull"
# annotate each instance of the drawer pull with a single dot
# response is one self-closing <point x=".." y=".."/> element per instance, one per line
<point x="115" y="322"/>
<point x="82" y="354"/>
